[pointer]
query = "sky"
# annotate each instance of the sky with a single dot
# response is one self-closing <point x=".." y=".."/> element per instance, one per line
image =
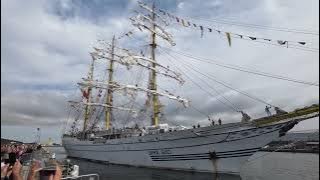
<point x="45" y="48"/>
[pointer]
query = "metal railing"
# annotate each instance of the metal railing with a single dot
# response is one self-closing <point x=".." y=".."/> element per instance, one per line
<point x="83" y="177"/>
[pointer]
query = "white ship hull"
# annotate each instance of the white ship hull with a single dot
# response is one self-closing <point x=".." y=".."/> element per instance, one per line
<point x="190" y="150"/>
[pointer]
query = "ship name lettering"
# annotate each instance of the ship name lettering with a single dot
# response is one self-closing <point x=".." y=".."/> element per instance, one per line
<point x="166" y="151"/>
<point x="153" y="152"/>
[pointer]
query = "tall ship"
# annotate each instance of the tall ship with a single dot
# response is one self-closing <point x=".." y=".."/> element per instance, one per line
<point x="98" y="134"/>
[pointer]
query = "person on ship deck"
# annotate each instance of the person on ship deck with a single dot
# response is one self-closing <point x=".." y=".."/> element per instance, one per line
<point x="267" y="109"/>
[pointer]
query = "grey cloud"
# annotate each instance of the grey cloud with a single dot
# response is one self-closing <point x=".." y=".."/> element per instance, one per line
<point x="33" y="108"/>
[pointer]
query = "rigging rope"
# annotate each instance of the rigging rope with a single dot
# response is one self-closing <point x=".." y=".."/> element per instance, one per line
<point x="242" y="69"/>
<point x="231" y="106"/>
<point x="188" y="66"/>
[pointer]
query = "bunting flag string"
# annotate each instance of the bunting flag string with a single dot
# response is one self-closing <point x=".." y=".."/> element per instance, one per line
<point x="182" y="22"/>
<point x="127" y="34"/>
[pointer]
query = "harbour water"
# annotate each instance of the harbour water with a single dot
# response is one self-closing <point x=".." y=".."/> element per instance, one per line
<point x="116" y="172"/>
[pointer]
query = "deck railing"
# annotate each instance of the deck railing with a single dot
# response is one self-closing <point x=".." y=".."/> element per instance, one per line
<point x="293" y="114"/>
<point x="84" y="177"/>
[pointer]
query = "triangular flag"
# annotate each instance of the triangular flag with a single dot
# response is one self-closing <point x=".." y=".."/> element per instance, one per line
<point x="281" y="42"/>
<point x="229" y="38"/>
<point x="201" y="28"/>
<point x="182" y="21"/>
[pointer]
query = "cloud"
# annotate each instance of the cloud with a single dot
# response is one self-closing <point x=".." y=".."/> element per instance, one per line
<point x="43" y="57"/>
<point x="45" y="48"/>
<point x="33" y="108"/>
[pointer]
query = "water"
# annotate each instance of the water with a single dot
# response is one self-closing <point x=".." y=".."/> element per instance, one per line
<point x="281" y="165"/>
<point x="116" y="172"/>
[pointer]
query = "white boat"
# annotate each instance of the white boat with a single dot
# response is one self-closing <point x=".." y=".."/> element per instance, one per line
<point x="218" y="148"/>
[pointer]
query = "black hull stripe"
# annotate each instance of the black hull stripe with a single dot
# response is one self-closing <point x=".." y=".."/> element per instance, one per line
<point x="180" y="155"/>
<point x="202" y="155"/>
<point x="258" y="148"/>
<point x="225" y="154"/>
<point x="242" y="155"/>
<point x="182" y="159"/>
<point x="172" y="157"/>
<point x="208" y="157"/>
<point x="240" y="151"/>
<point x="205" y="135"/>
<point x="173" y="147"/>
<point x="202" y="158"/>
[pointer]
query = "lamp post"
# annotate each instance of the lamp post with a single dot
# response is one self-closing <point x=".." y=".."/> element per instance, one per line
<point x="38" y="136"/>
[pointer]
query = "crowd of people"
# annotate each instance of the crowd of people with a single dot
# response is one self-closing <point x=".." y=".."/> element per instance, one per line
<point x="14" y="172"/>
<point x="18" y="149"/>
<point x="11" y="164"/>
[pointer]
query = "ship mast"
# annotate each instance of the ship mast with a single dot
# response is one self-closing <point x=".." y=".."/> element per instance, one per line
<point x="153" y="82"/>
<point x="88" y="97"/>
<point x="125" y="57"/>
<point x="149" y="22"/>
<point x="110" y="88"/>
